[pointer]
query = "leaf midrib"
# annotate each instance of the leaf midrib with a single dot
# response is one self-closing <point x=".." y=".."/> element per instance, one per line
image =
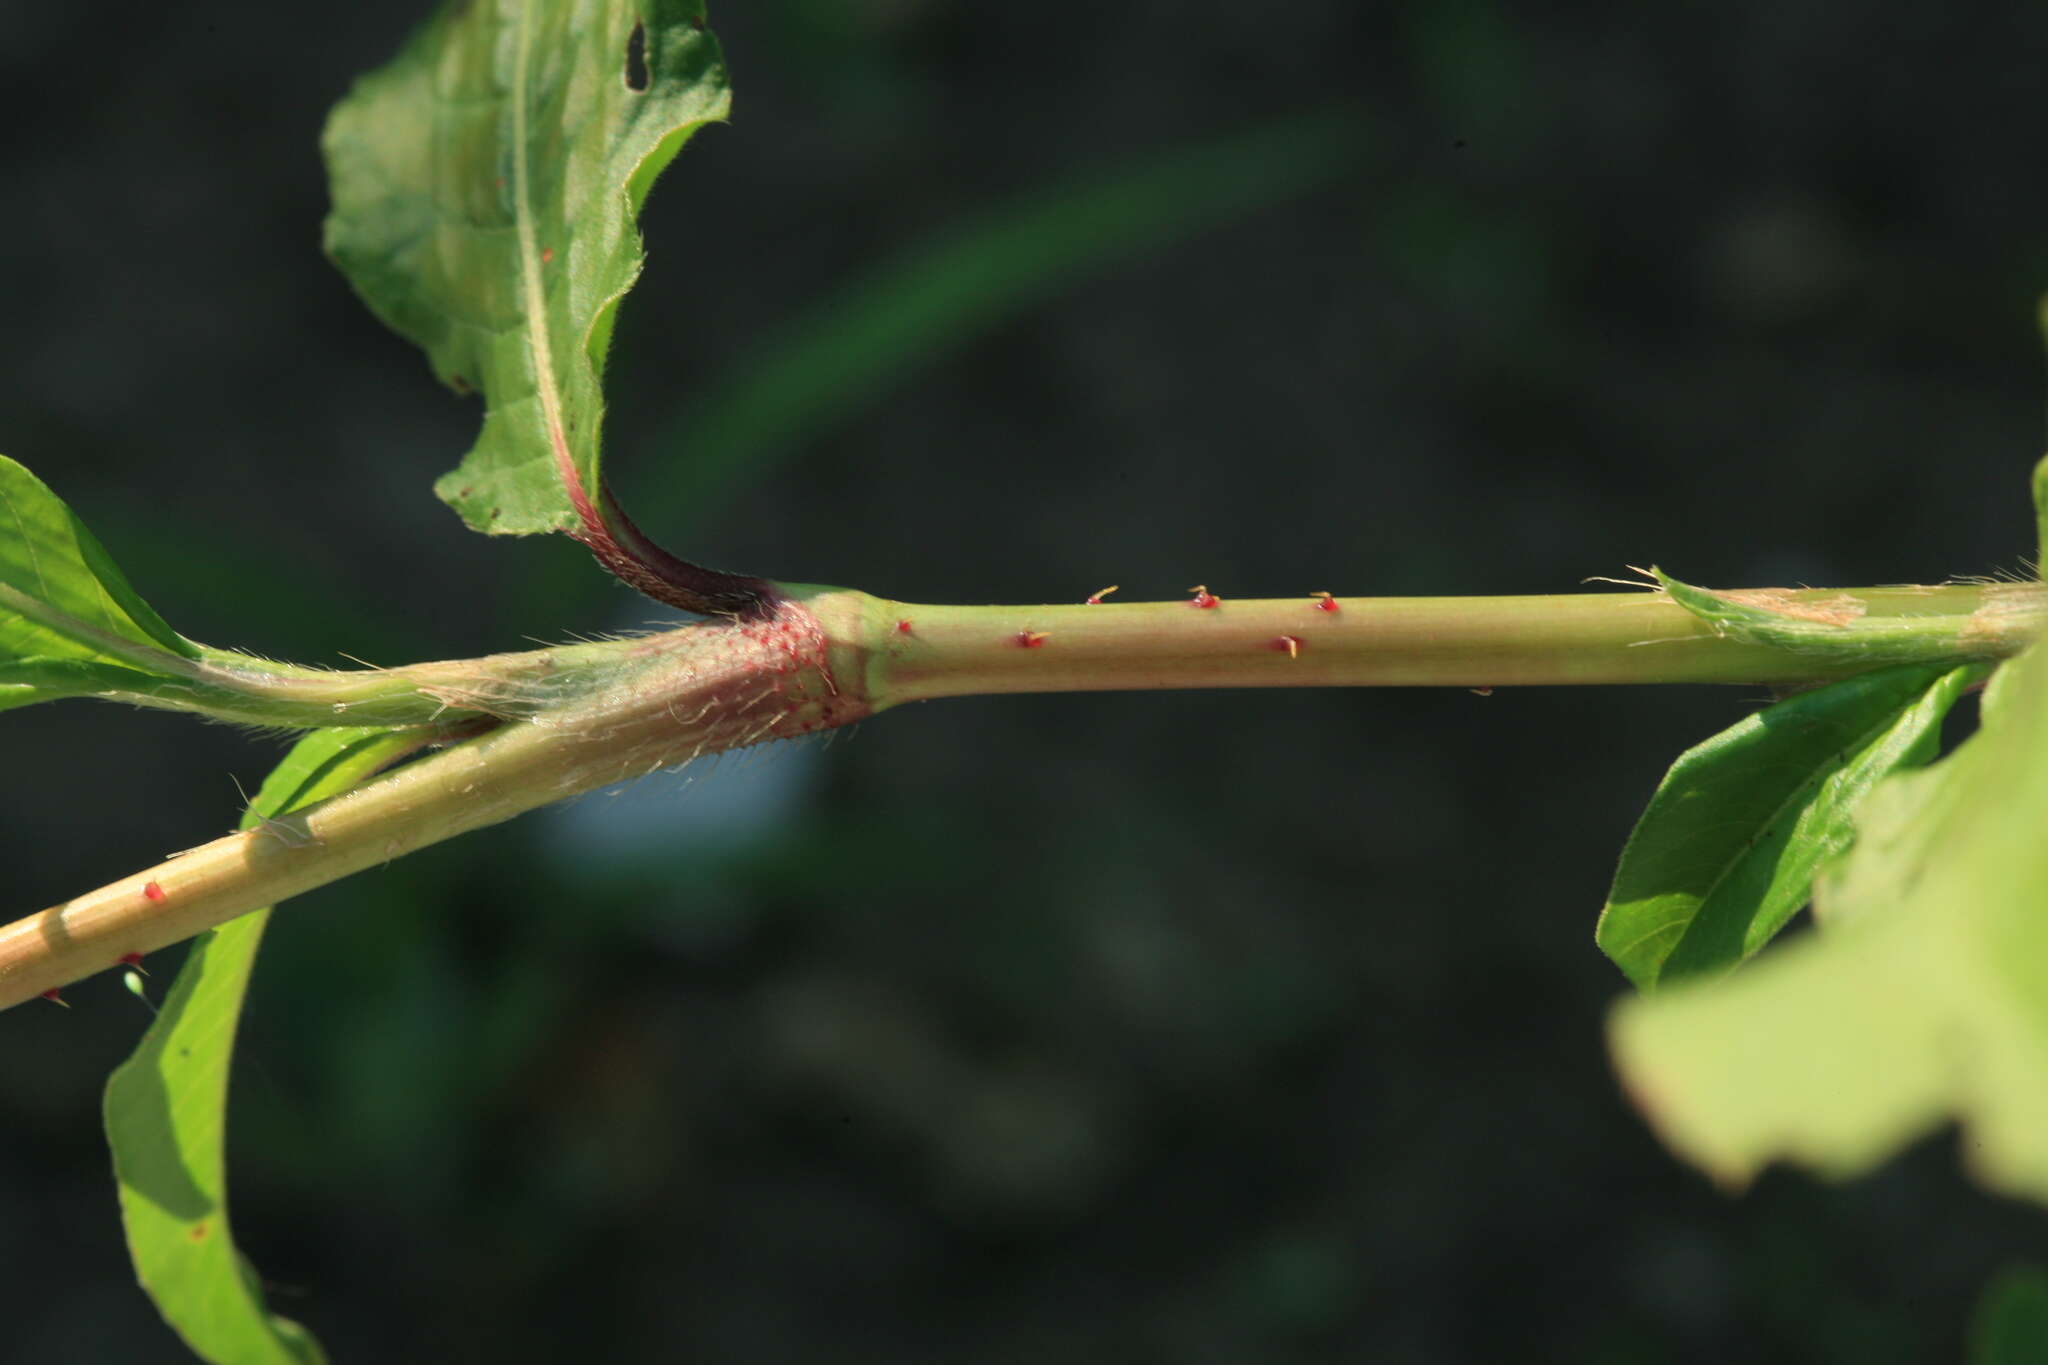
<point x="538" y="340"/>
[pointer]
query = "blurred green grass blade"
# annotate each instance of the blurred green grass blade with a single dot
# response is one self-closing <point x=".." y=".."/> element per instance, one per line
<point x="166" y="1106"/>
<point x="2011" y="1325"/>
<point x="876" y="333"/>
<point x="486" y="185"/>
<point x="1929" y="1003"/>
<point x="1727" y="850"/>
<point x="65" y="606"/>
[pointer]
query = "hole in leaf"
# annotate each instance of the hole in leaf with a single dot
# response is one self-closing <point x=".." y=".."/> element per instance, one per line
<point x="636" y="58"/>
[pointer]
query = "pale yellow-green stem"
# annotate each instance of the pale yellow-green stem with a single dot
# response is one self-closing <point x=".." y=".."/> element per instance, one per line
<point x="919" y="652"/>
<point x="670" y="698"/>
<point x="827" y="657"/>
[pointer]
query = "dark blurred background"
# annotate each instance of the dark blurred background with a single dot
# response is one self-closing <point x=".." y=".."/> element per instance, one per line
<point x="1179" y="1028"/>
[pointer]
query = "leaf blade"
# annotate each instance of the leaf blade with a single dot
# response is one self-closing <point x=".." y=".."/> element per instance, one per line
<point x="62" y="597"/>
<point x="1929" y="1006"/>
<point x="1726" y="852"/>
<point x="503" y="244"/>
<point x="166" y="1106"/>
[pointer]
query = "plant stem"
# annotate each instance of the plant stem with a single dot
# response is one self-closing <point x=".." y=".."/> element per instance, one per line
<point x="826" y="657"/>
<point x="915" y="653"/>
<point x="669" y="698"/>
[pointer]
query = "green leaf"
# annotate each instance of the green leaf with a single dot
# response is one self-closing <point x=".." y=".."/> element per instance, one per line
<point x="1726" y="852"/>
<point x="485" y="189"/>
<point x="65" y="607"/>
<point x="2011" y="1326"/>
<point x="1927" y="1003"/>
<point x="71" y="626"/>
<point x="166" y="1106"/>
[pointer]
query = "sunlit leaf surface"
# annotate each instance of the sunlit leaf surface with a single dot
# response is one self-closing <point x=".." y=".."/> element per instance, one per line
<point x="1923" y="1000"/>
<point x="1726" y="852"/>
<point x="69" y="622"/>
<point x="486" y="185"/>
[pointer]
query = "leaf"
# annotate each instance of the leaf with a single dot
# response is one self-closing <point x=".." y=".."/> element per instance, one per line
<point x="2011" y="1325"/>
<point x="66" y="610"/>
<point x="1927" y="1003"/>
<point x="166" y="1106"/>
<point x="71" y="626"/>
<point x="485" y="187"/>
<point x="1726" y="852"/>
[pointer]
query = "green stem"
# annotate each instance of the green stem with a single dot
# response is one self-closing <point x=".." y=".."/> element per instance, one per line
<point x="593" y="715"/>
<point x="664" y="700"/>
<point x="915" y="653"/>
<point x="242" y="689"/>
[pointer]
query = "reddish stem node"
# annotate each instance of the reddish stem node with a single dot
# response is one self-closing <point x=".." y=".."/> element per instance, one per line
<point x="1203" y="598"/>
<point x="1030" y="639"/>
<point x="152" y="892"/>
